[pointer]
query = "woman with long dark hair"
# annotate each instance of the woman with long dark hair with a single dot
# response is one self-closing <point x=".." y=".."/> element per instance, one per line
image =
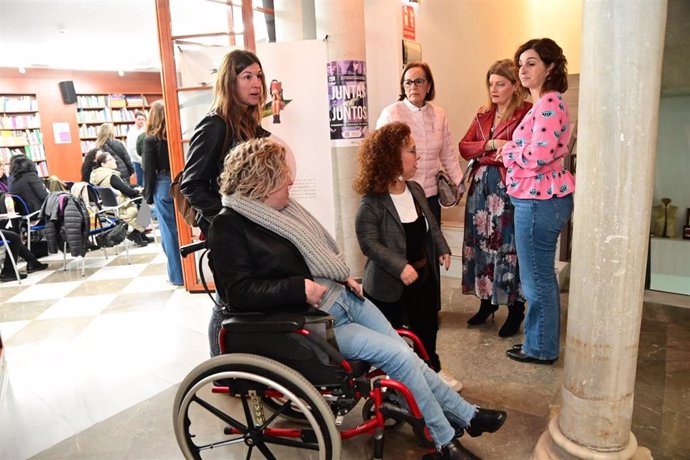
<point x="238" y="98"/>
<point x="157" y="188"/>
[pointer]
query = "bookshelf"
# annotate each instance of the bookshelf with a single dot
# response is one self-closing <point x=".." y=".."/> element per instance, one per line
<point x="20" y="130"/>
<point x="118" y="109"/>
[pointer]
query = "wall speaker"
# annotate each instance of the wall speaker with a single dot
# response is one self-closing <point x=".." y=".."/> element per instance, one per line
<point x="69" y="96"/>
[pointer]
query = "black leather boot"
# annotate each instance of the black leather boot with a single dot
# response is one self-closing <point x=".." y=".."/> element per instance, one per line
<point x="138" y="238"/>
<point x="486" y="421"/>
<point x="516" y="313"/>
<point x="486" y="309"/>
<point x="455" y="451"/>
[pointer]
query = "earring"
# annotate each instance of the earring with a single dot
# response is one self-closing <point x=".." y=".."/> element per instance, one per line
<point x="400" y="178"/>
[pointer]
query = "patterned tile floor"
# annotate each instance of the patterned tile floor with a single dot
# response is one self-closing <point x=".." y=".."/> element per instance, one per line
<point x="93" y="364"/>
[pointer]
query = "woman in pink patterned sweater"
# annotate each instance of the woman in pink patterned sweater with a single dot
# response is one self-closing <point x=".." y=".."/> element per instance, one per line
<point x="541" y="192"/>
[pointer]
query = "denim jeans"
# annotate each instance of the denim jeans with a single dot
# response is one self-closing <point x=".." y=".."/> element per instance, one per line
<point x="139" y="172"/>
<point x="364" y="333"/>
<point x="537" y="226"/>
<point x="165" y="211"/>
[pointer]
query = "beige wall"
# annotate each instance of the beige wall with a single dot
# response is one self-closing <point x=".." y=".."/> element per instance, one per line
<point x="460" y="39"/>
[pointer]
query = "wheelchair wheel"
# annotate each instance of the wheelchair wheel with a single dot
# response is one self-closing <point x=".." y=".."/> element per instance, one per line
<point x="212" y="425"/>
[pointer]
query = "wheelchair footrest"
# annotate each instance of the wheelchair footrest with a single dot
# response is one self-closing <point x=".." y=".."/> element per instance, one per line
<point x="395" y="412"/>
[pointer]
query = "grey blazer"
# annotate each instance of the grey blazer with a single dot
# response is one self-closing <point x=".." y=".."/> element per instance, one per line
<point x="381" y="237"/>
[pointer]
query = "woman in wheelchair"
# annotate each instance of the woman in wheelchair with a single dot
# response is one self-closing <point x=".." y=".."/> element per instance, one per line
<point x="269" y="254"/>
<point x="106" y="174"/>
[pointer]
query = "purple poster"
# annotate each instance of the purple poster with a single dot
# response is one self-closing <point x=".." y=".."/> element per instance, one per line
<point x="347" y="93"/>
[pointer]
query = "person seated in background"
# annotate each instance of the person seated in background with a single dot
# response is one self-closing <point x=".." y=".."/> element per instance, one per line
<point x="4" y="180"/>
<point x="106" y="175"/>
<point x="88" y="164"/>
<point x="26" y="183"/>
<point x="18" y="250"/>
<point x="107" y="142"/>
<point x="268" y="253"/>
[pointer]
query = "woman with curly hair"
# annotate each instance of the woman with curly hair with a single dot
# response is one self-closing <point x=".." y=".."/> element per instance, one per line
<point x="400" y="236"/>
<point x="541" y="191"/>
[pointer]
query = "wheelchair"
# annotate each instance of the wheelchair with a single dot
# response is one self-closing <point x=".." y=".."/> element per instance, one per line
<point x="280" y="388"/>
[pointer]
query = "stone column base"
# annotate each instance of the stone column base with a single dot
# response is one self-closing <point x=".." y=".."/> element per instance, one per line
<point x="554" y="445"/>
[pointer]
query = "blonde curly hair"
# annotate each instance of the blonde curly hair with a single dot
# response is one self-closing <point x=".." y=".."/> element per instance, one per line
<point x="254" y="169"/>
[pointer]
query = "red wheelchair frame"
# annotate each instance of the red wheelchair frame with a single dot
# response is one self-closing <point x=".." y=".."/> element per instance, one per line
<point x="264" y="379"/>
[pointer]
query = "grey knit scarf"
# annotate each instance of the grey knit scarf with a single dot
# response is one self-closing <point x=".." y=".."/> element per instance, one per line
<point x="297" y="225"/>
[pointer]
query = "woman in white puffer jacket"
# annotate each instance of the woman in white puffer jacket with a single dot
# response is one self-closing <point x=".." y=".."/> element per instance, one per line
<point x="429" y="126"/>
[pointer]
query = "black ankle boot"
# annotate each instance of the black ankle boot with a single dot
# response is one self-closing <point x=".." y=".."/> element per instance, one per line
<point x="455" y="451"/>
<point x="516" y="313"/>
<point x="486" y="309"/>
<point x="486" y="421"/>
<point x="138" y="238"/>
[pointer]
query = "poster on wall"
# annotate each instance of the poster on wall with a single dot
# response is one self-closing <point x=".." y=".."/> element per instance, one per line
<point x="409" y="26"/>
<point x="347" y="93"/>
<point x="296" y="114"/>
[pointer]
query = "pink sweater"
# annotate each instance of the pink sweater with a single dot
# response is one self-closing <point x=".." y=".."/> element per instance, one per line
<point x="534" y="158"/>
<point x="429" y="126"/>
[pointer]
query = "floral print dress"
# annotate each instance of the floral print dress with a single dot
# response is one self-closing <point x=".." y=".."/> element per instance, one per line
<point x="489" y="260"/>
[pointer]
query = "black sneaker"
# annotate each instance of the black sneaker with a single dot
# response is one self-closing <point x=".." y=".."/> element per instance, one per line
<point x="138" y="238"/>
<point x="8" y="277"/>
<point x="37" y="267"/>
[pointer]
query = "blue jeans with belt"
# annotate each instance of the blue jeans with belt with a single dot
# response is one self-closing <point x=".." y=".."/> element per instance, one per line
<point x="537" y="226"/>
<point x="165" y="211"/>
<point x="363" y="333"/>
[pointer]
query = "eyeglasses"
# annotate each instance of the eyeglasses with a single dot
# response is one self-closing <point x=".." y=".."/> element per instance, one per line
<point x="417" y="82"/>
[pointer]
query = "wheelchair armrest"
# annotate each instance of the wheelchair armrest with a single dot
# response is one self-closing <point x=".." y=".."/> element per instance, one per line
<point x="281" y="322"/>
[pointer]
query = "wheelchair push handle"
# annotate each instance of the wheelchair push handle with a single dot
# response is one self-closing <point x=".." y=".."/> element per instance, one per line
<point x="192" y="248"/>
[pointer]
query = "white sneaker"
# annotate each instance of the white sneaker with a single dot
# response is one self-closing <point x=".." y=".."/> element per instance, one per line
<point x="449" y="380"/>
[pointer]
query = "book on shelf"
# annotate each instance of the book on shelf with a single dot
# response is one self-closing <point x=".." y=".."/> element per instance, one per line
<point x="19" y="121"/>
<point x="42" y="169"/>
<point x="18" y="104"/>
<point x="117" y="101"/>
<point x="91" y="101"/>
<point x="135" y="101"/>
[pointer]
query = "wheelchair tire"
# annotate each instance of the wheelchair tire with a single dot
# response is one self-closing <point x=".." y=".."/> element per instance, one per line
<point x="218" y="425"/>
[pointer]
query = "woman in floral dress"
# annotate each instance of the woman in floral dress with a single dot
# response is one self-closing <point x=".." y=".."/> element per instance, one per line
<point x="489" y="261"/>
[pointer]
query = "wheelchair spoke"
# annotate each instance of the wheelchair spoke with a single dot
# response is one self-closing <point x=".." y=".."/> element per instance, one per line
<point x="264" y="450"/>
<point x="221" y="415"/>
<point x="249" y="453"/>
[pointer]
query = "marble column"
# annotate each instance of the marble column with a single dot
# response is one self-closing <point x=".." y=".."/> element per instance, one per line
<point x="622" y="50"/>
<point x="343" y="23"/>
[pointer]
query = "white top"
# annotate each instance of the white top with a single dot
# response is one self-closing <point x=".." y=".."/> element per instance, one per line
<point x="429" y="127"/>
<point x="132" y="136"/>
<point x="404" y="204"/>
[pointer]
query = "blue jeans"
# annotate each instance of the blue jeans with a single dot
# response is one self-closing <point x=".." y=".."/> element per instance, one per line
<point x="537" y="226"/>
<point x="139" y="172"/>
<point x="165" y="211"/>
<point x="363" y="333"/>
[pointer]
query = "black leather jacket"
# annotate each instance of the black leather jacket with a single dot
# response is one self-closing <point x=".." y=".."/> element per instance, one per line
<point x="253" y="268"/>
<point x="207" y="150"/>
